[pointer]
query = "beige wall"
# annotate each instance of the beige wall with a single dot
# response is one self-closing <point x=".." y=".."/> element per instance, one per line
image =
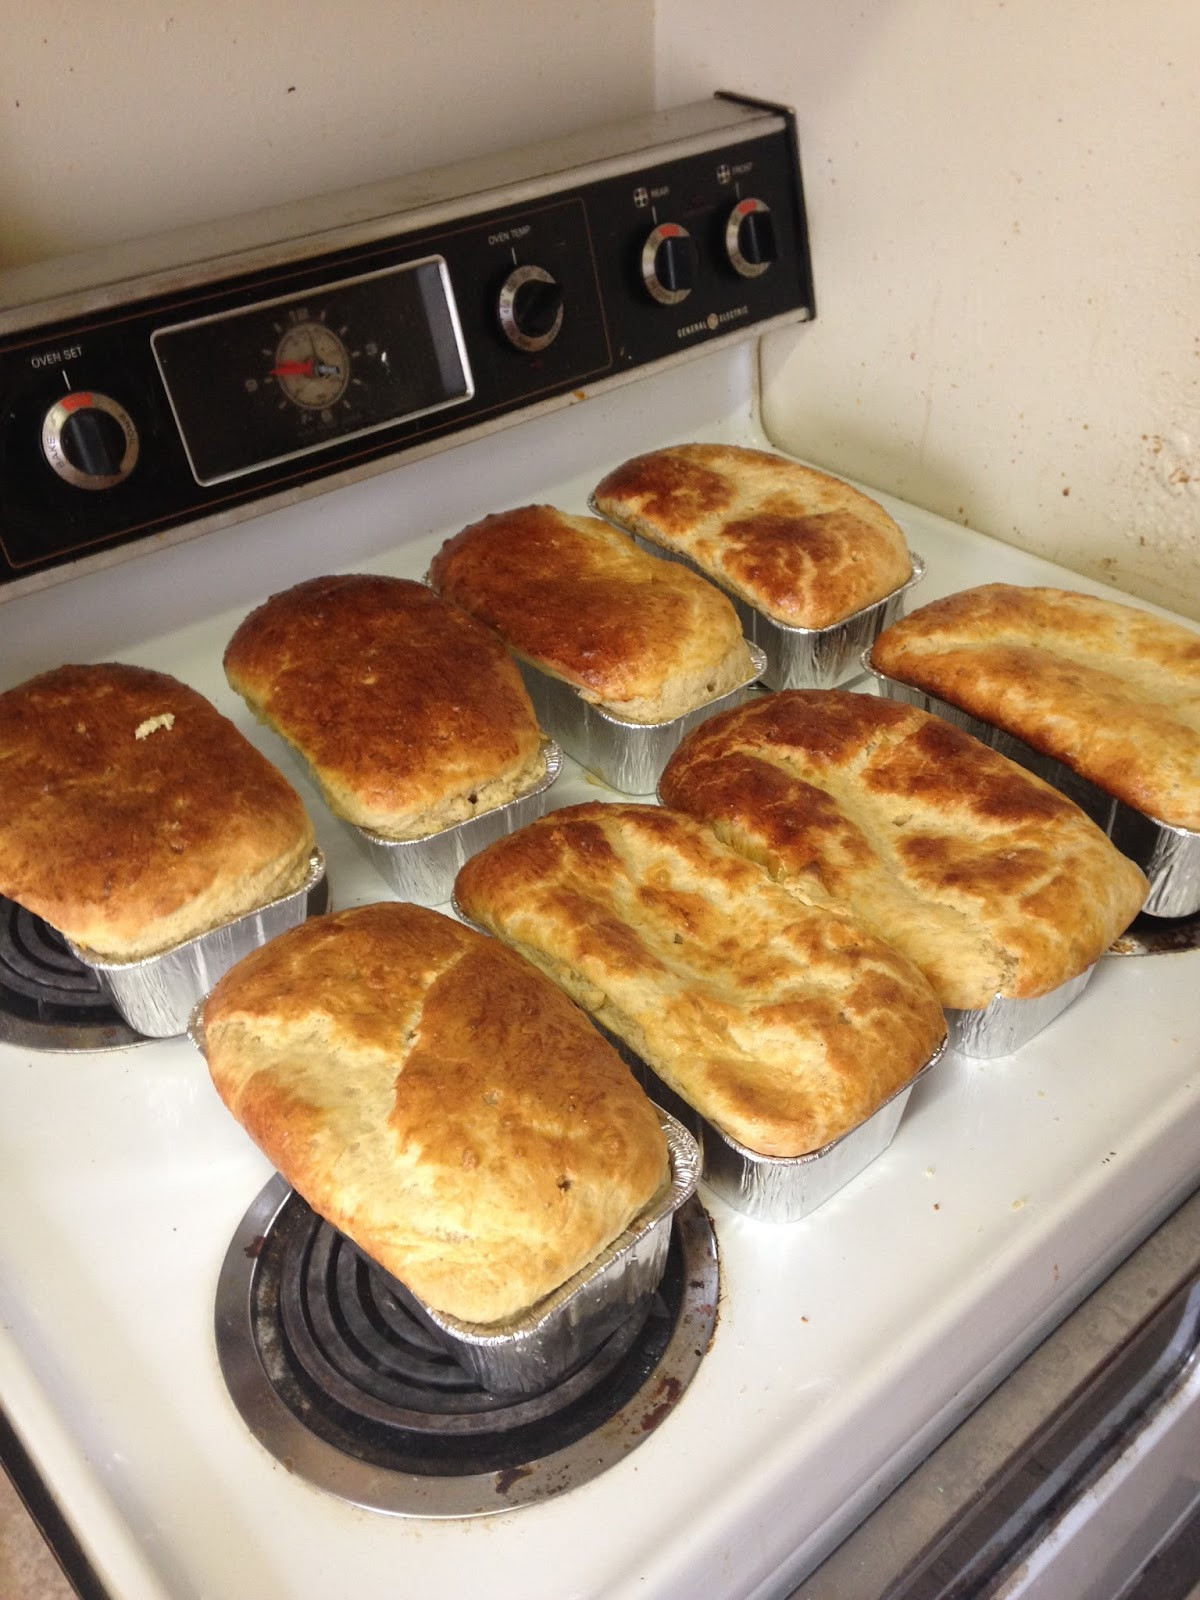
<point x="123" y="117"/>
<point x="1005" y="201"/>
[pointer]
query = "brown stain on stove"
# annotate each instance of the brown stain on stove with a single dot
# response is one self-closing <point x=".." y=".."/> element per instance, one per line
<point x="254" y="1249"/>
<point x="510" y="1475"/>
<point x="670" y="1388"/>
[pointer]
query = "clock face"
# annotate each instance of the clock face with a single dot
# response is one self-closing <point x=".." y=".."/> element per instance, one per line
<point x="312" y="365"/>
<point x="268" y="382"/>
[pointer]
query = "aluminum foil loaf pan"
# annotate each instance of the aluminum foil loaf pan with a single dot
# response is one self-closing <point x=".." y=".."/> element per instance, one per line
<point x="777" y="1188"/>
<point x="532" y="1352"/>
<point x="1169" y="856"/>
<point x="156" y="994"/>
<point x="1006" y="1024"/>
<point x="423" y="870"/>
<point x="629" y="756"/>
<point x="798" y="658"/>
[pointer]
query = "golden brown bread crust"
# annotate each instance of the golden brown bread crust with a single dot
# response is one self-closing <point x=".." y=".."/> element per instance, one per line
<point x="133" y="815"/>
<point x="438" y="1100"/>
<point x="799" y="545"/>
<point x="1110" y="691"/>
<point x="982" y="875"/>
<point x="785" y="1025"/>
<point x="640" y="637"/>
<point x="411" y="714"/>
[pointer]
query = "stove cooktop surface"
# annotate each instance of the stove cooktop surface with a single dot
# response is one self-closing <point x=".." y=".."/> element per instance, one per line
<point x="845" y="1344"/>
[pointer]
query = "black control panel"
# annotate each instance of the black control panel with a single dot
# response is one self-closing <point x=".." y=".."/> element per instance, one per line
<point x="214" y="400"/>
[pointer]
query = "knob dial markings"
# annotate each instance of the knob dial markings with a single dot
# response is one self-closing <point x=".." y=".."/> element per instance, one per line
<point x="90" y="440"/>
<point x="530" y="308"/>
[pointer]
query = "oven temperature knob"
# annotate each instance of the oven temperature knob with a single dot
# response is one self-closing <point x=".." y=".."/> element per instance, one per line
<point x="669" y="264"/>
<point x="530" y="308"/>
<point x="750" y="238"/>
<point x="90" y="440"/>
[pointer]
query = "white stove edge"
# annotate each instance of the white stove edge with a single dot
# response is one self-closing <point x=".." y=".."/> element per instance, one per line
<point x="1011" y="1189"/>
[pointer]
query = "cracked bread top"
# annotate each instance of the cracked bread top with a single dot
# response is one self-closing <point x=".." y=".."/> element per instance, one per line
<point x="784" y="1024"/>
<point x="988" y="879"/>
<point x="438" y="1100"/>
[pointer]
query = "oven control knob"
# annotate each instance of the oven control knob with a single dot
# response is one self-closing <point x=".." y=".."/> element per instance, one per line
<point x="90" y="440"/>
<point x="669" y="264"/>
<point x="530" y="308"/>
<point x="750" y="238"/>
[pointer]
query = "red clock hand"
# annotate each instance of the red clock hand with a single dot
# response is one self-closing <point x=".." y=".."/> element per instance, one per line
<point x="293" y="369"/>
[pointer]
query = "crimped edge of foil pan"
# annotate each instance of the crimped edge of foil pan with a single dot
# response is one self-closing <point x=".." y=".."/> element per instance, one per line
<point x="1168" y="854"/>
<point x="636" y="752"/>
<point x="423" y="869"/>
<point x="151" y="997"/>
<point x="793" y="650"/>
<point x="528" y="1353"/>
<point x="756" y="659"/>
<point x="531" y="1353"/>
<point x="567" y="1304"/>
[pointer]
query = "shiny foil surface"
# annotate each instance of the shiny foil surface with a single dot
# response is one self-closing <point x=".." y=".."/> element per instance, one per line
<point x="530" y="1353"/>
<point x="423" y="870"/>
<point x="778" y="1188"/>
<point x="628" y="756"/>
<point x="157" y="994"/>
<point x="1005" y="1024"/>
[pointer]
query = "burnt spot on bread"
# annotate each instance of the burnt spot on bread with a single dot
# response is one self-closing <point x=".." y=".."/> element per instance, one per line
<point x="665" y="488"/>
<point x="971" y="868"/>
<point x="812" y="567"/>
<point x="940" y="763"/>
<point x="766" y="813"/>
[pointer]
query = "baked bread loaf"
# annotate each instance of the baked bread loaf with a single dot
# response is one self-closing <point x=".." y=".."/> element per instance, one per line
<point x="410" y="713"/>
<point x="438" y="1100"/>
<point x="134" y="816"/>
<point x="987" y="879"/>
<point x="802" y="547"/>
<point x="641" y="638"/>
<point x="784" y="1025"/>
<point x="1107" y="689"/>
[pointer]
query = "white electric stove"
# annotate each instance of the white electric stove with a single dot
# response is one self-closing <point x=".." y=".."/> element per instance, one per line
<point x="846" y="1346"/>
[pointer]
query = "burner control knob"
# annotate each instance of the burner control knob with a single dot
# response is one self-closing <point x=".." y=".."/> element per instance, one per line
<point x="669" y="264"/>
<point x="90" y="440"/>
<point x="750" y="238"/>
<point x="530" y="308"/>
